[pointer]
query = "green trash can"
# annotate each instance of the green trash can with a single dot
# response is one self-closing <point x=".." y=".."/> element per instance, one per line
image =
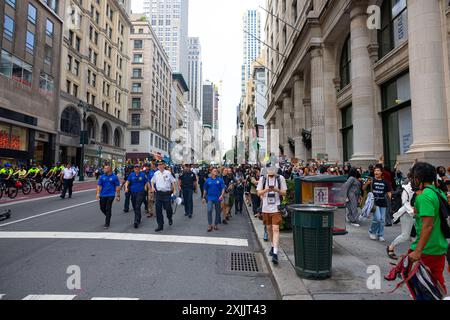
<point x="313" y="240"/>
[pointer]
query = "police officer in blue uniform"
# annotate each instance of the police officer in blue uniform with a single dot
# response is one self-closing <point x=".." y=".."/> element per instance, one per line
<point x="137" y="185"/>
<point x="108" y="188"/>
<point x="188" y="185"/>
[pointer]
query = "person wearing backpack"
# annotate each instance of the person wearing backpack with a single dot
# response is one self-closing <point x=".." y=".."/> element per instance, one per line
<point x="272" y="188"/>
<point x="406" y="216"/>
<point x="431" y="246"/>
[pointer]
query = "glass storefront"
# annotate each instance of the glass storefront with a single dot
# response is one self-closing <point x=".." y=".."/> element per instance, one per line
<point x="13" y="138"/>
<point x="397" y="118"/>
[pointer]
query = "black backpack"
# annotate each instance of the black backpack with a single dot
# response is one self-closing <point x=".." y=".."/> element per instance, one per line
<point x="444" y="213"/>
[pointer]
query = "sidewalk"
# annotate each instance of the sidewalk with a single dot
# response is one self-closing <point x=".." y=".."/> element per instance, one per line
<point x="352" y="255"/>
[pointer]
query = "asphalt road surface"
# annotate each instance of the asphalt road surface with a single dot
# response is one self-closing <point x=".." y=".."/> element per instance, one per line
<point x="57" y="249"/>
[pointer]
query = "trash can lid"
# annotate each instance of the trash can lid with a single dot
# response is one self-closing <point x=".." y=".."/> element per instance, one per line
<point x="311" y="208"/>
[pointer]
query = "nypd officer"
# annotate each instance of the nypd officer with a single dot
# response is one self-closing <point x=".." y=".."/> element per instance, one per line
<point x="188" y="185"/>
<point x="164" y="185"/>
<point x="137" y="184"/>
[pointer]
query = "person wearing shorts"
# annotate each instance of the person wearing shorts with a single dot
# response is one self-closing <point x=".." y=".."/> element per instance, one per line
<point x="271" y="189"/>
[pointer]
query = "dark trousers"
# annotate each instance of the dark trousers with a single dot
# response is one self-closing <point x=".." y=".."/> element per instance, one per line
<point x="105" y="207"/>
<point x="137" y="198"/>
<point x="188" y="201"/>
<point x="239" y="202"/>
<point x="127" y="201"/>
<point x="202" y="189"/>
<point x="163" y="200"/>
<point x="256" y="203"/>
<point x="146" y="202"/>
<point x="67" y="186"/>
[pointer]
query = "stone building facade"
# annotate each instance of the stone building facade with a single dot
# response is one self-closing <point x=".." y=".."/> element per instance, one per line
<point x="95" y="72"/>
<point x="349" y="84"/>
<point x="30" y="60"/>
<point x="149" y="110"/>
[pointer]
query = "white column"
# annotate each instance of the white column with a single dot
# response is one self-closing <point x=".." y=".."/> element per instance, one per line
<point x="426" y="63"/>
<point x="287" y="124"/>
<point x="331" y="125"/>
<point x="362" y="87"/>
<point x="299" y="116"/>
<point x="317" y="103"/>
<point x="279" y="132"/>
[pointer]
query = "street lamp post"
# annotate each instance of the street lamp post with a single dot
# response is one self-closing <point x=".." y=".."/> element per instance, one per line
<point x="84" y="136"/>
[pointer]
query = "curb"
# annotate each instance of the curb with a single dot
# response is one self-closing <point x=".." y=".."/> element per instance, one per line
<point x="289" y="285"/>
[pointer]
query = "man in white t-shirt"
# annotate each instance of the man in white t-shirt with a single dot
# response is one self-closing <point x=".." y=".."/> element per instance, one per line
<point x="68" y="175"/>
<point x="271" y="188"/>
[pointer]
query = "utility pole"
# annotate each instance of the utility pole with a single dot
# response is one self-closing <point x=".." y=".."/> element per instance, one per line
<point x="84" y="138"/>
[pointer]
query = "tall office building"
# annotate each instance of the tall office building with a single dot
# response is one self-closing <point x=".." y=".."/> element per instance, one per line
<point x="169" y="19"/>
<point x="195" y="74"/>
<point x="252" y="47"/>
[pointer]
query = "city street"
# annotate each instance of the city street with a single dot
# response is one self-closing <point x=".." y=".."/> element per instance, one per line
<point x="45" y="237"/>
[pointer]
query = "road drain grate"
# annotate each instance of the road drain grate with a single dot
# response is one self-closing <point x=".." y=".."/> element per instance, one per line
<point x="243" y="262"/>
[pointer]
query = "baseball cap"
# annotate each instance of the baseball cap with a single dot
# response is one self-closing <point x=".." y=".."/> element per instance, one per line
<point x="159" y="162"/>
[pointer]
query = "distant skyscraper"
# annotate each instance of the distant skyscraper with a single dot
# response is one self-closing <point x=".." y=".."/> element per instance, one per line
<point x="169" y="19"/>
<point x="195" y="74"/>
<point x="252" y="47"/>
<point x="208" y="104"/>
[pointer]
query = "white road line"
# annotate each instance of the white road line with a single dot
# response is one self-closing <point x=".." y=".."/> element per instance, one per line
<point x="13" y="203"/>
<point x="49" y="297"/>
<point x="101" y="298"/>
<point x="125" y="237"/>
<point x="47" y="213"/>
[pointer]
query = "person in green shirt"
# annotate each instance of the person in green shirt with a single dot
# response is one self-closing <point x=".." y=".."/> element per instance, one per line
<point x="6" y="174"/>
<point x="430" y="246"/>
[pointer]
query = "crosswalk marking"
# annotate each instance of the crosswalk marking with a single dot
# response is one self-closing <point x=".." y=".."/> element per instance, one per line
<point x="102" y="298"/>
<point x="49" y="297"/>
<point x="126" y="237"/>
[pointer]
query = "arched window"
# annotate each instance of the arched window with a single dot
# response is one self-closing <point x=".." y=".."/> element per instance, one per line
<point x="105" y="134"/>
<point x="91" y="128"/>
<point x="346" y="64"/>
<point x="71" y="121"/>
<point x="117" y="138"/>
<point x="394" y="25"/>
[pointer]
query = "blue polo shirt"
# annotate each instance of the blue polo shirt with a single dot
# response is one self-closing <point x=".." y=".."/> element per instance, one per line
<point x="109" y="185"/>
<point x="214" y="188"/>
<point x="137" y="183"/>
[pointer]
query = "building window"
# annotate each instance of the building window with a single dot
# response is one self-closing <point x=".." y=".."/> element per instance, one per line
<point x="105" y="134"/>
<point x="46" y="84"/>
<point x="137" y="58"/>
<point x="32" y="13"/>
<point x="53" y="4"/>
<point x="137" y="73"/>
<point x="13" y="138"/>
<point x="117" y="137"/>
<point x="347" y="132"/>
<point x="77" y="43"/>
<point x="8" y="28"/>
<point x="396" y="118"/>
<point x="76" y="67"/>
<point x="138" y="44"/>
<point x="49" y="28"/>
<point x="135" y="137"/>
<point x="30" y="42"/>
<point x="48" y="54"/>
<point x="16" y="69"/>
<point x="12" y="3"/>
<point x="137" y="87"/>
<point x="135" y="119"/>
<point x="136" y="103"/>
<point x="394" y="25"/>
<point x="71" y="121"/>
<point x="75" y="90"/>
<point x="346" y="64"/>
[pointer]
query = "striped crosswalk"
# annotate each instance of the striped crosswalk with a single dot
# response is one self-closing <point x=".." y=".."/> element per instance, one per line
<point x="63" y="297"/>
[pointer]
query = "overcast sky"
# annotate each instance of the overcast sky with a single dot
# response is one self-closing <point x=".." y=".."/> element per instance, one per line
<point x="219" y="25"/>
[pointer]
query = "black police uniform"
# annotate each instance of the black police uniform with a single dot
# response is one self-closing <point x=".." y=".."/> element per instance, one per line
<point x="187" y="186"/>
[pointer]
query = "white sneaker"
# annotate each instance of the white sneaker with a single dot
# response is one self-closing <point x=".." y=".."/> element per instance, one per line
<point x="381" y="239"/>
<point x="355" y="225"/>
<point x="372" y="236"/>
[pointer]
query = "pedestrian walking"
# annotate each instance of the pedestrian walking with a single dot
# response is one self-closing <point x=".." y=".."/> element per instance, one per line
<point x="214" y="195"/>
<point x="188" y="185"/>
<point x="239" y="191"/>
<point x="430" y="246"/>
<point x="128" y="170"/>
<point x="108" y="188"/>
<point x="164" y="183"/>
<point x="352" y="190"/>
<point x="406" y="216"/>
<point x="272" y="188"/>
<point x="68" y="175"/>
<point x="151" y="193"/>
<point x="381" y="191"/>
<point x="202" y="176"/>
<point x="137" y="185"/>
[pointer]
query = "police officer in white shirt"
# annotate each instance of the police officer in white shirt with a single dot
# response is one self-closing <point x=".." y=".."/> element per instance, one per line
<point x="68" y="175"/>
<point x="164" y="185"/>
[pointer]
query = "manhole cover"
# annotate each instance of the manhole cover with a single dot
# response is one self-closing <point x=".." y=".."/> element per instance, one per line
<point x="243" y="262"/>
